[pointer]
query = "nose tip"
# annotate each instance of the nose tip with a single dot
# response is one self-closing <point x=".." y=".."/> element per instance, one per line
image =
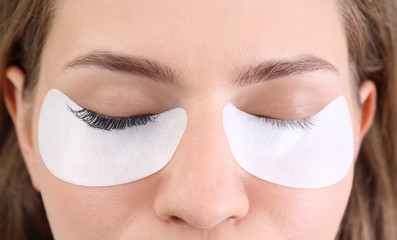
<point x="201" y="207"/>
<point x="204" y="217"/>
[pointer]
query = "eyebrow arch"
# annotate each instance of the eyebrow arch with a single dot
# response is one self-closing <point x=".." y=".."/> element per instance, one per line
<point x="123" y="63"/>
<point x="265" y="70"/>
<point x="274" y="69"/>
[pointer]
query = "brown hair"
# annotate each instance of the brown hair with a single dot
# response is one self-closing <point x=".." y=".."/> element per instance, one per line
<point x="371" y="31"/>
<point x="23" y="27"/>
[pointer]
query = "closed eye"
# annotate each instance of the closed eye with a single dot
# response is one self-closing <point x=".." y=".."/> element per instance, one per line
<point x="306" y="123"/>
<point x="107" y="123"/>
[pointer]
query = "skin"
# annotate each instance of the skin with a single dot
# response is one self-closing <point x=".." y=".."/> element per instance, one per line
<point x="202" y="193"/>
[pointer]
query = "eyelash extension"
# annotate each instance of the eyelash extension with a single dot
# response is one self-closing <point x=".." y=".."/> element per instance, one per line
<point x="98" y="121"/>
<point x="306" y="123"/>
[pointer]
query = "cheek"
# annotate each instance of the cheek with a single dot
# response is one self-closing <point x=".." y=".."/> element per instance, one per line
<point x="77" y="212"/>
<point x="301" y="213"/>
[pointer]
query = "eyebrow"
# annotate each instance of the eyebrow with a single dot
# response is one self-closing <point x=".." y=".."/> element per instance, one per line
<point x="282" y="68"/>
<point x="265" y="70"/>
<point x="123" y="63"/>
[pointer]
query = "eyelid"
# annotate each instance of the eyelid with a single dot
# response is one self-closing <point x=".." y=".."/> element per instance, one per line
<point x="107" y="116"/>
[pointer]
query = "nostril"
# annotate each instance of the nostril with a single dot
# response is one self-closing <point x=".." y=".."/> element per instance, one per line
<point x="177" y="220"/>
<point x="232" y="219"/>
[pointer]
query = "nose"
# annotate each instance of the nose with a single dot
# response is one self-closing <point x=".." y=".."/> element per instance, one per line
<point x="202" y="185"/>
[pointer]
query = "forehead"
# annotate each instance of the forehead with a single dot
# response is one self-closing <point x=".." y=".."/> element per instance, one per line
<point x="199" y="37"/>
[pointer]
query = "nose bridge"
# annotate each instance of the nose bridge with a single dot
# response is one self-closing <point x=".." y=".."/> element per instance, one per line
<point x="202" y="185"/>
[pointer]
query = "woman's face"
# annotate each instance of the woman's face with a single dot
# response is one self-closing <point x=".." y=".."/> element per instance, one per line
<point x="202" y="193"/>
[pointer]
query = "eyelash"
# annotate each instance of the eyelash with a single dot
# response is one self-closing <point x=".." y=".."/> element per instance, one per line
<point x="106" y="123"/>
<point x="306" y="123"/>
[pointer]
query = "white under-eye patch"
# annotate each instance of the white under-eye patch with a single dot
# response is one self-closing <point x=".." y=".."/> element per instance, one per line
<point x="301" y="155"/>
<point x="80" y="154"/>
